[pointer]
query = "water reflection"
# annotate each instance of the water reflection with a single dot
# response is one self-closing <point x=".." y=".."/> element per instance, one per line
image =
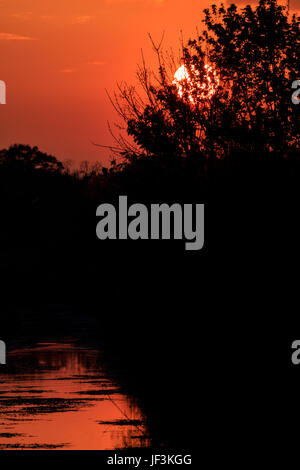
<point x="58" y="396"/>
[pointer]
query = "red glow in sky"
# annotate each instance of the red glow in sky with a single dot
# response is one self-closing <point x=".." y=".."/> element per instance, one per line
<point x="59" y="56"/>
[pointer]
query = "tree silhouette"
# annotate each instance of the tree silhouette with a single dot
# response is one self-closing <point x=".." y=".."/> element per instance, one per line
<point x="254" y="56"/>
<point x="26" y="159"/>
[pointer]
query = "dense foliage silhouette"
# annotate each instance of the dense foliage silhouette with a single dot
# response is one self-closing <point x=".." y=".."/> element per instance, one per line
<point x="254" y="54"/>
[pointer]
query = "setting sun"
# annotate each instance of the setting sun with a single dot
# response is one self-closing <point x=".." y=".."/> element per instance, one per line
<point x="192" y="86"/>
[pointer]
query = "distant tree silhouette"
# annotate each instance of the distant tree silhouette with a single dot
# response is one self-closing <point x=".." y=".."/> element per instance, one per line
<point x="254" y="53"/>
<point x="26" y="159"/>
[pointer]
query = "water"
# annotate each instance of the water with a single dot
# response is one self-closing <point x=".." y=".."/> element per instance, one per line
<point x="58" y="395"/>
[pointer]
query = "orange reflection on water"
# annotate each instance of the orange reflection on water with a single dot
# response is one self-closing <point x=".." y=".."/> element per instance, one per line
<point x="57" y="396"/>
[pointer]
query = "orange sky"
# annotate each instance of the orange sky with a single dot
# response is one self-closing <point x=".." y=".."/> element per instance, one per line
<point x="58" y="56"/>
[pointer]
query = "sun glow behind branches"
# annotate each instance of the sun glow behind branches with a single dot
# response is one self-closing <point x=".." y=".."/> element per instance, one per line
<point x="192" y="87"/>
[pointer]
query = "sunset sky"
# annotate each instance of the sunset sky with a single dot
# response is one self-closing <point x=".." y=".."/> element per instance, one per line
<point x="58" y="56"/>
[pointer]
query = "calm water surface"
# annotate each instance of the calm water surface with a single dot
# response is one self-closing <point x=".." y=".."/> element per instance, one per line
<point x="58" y="396"/>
